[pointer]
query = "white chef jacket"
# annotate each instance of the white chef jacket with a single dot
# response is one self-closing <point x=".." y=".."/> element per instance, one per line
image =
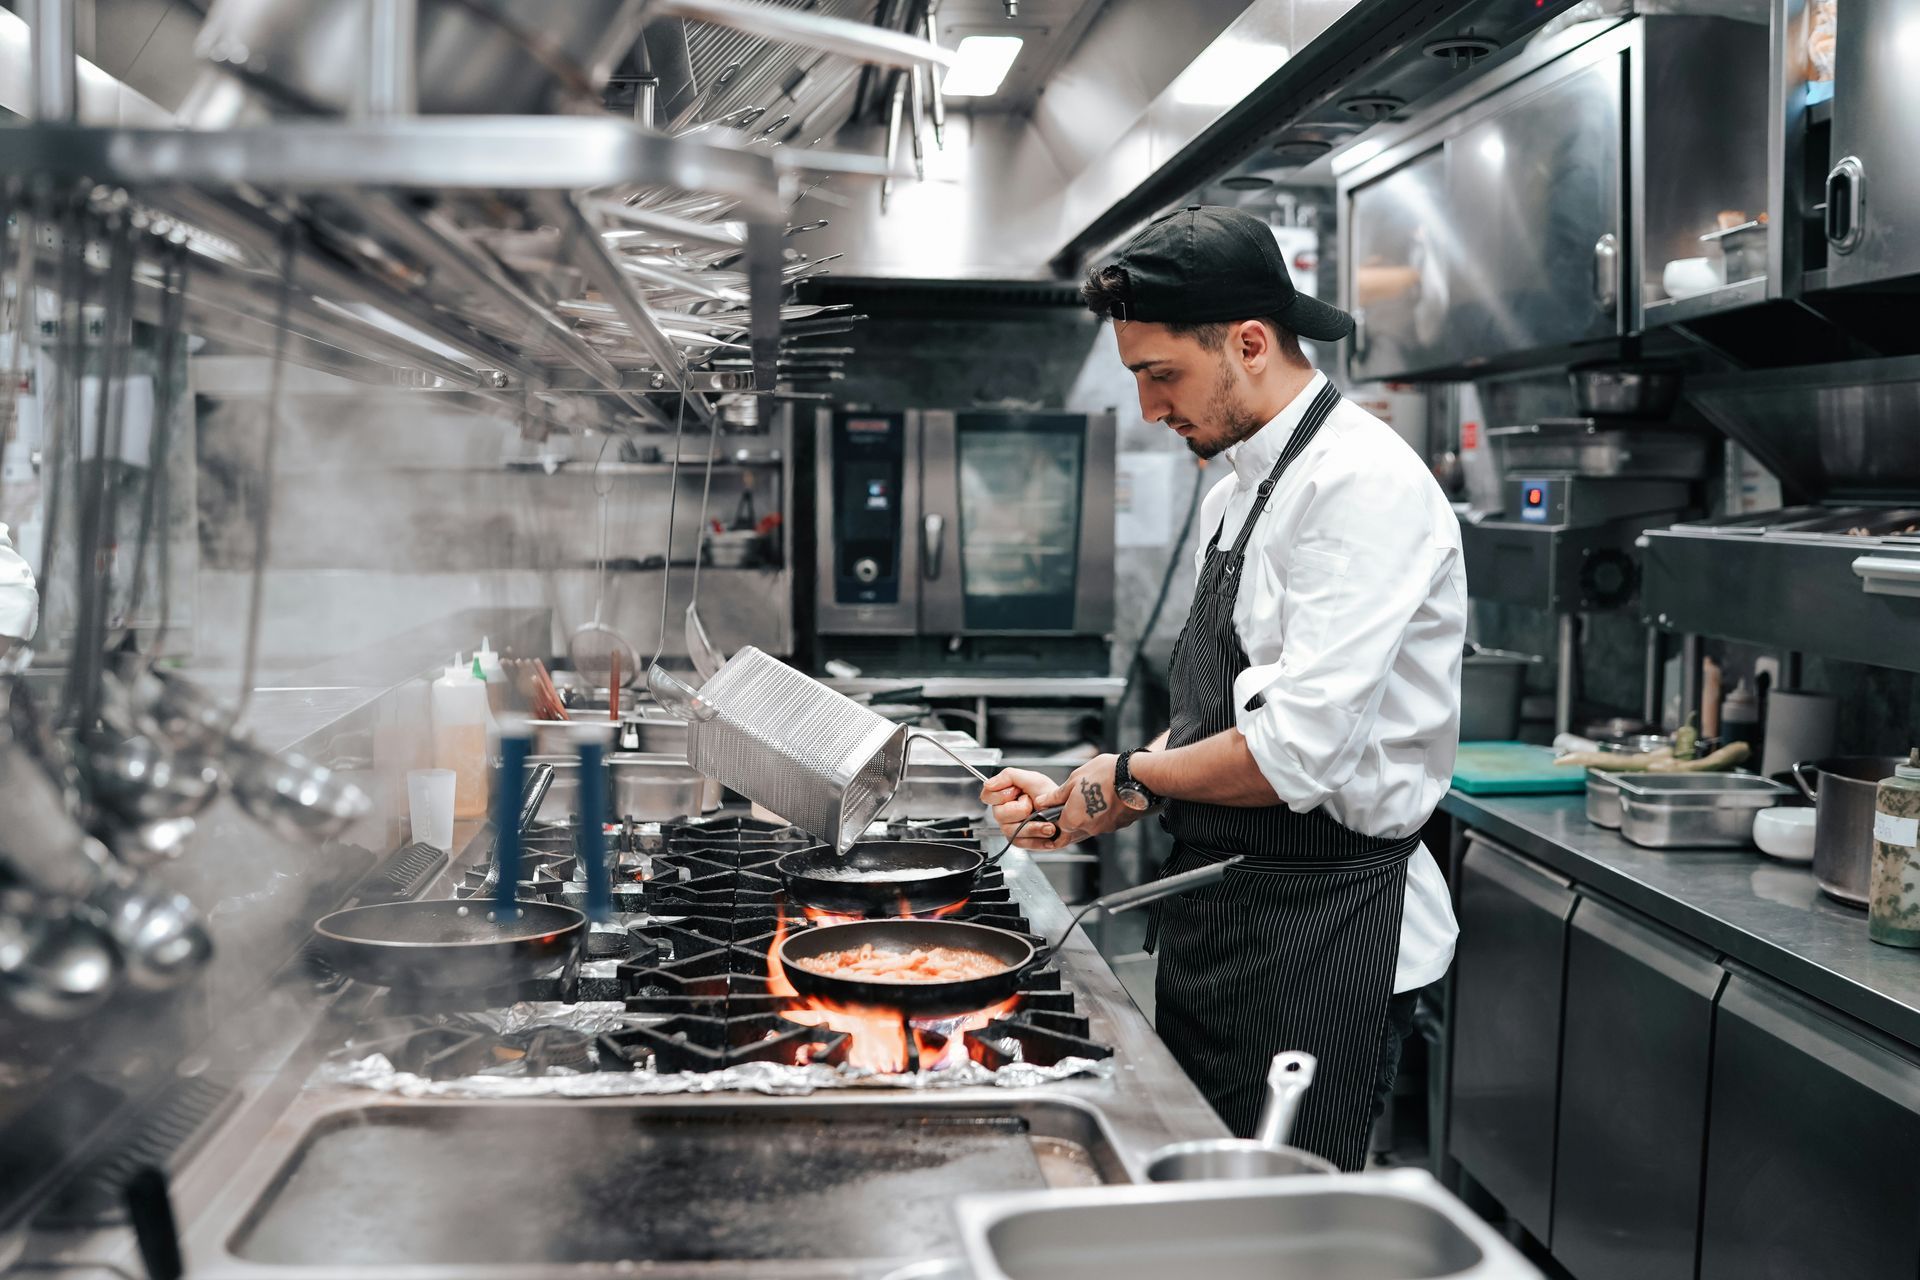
<point x="19" y="599"/>
<point x="1353" y="613"/>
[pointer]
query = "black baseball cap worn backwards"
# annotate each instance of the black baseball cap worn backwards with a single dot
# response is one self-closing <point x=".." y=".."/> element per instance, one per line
<point x="1205" y="264"/>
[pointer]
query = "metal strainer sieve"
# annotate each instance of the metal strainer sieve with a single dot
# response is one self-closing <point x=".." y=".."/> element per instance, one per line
<point x="810" y="754"/>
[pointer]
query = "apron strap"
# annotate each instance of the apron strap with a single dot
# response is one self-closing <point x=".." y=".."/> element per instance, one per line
<point x="1316" y="416"/>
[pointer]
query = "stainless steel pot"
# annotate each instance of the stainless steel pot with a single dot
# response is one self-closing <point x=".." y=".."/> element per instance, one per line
<point x="1265" y="1155"/>
<point x="1842" y="790"/>
<point x="1492" y="684"/>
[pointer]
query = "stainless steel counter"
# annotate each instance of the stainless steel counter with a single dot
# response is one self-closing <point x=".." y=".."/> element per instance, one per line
<point x="1765" y="914"/>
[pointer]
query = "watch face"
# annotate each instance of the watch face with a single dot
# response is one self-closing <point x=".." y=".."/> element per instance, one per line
<point x="1134" y="798"/>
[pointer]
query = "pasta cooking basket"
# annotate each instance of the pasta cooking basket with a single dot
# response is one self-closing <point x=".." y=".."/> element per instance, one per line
<point x="789" y="743"/>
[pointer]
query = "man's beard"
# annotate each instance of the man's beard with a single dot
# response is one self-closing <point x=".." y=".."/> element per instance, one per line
<point x="1224" y="407"/>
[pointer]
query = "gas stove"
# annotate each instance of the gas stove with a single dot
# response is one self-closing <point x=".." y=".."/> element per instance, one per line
<point x="679" y="981"/>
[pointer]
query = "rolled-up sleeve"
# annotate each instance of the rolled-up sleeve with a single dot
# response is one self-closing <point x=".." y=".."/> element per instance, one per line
<point x="1360" y="566"/>
<point x="19" y="599"/>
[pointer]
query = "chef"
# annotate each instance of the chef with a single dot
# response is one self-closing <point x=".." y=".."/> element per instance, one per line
<point x="1315" y="693"/>
<point x="19" y="599"/>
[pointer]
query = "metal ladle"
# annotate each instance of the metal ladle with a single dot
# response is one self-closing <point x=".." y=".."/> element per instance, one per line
<point x="54" y="965"/>
<point x="594" y="645"/>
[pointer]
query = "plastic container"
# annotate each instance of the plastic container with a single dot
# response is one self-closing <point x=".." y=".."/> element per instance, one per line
<point x="1893" y="896"/>
<point x="1740" y="715"/>
<point x="430" y="806"/>
<point x="460" y="719"/>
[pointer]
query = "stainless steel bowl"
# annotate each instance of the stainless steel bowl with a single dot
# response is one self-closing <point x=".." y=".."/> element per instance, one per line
<point x="1643" y="391"/>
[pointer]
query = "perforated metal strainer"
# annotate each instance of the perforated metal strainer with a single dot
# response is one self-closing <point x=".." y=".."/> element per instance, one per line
<point x="810" y="754"/>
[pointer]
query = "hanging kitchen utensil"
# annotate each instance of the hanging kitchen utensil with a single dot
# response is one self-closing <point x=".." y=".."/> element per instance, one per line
<point x="1013" y="951"/>
<point x="679" y="699"/>
<point x="1265" y="1155"/>
<point x="593" y="644"/>
<point x="705" y="655"/>
<point x="804" y="751"/>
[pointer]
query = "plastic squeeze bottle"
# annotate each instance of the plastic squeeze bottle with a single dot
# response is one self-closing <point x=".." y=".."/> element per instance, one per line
<point x="460" y="715"/>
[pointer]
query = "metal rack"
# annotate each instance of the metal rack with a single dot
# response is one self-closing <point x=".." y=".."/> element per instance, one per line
<point x="579" y="270"/>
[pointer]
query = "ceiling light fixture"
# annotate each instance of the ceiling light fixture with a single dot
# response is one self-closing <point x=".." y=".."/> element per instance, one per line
<point x="980" y="64"/>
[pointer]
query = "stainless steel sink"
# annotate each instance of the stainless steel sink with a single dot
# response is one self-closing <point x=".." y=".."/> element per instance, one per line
<point x="1398" y="1225"/>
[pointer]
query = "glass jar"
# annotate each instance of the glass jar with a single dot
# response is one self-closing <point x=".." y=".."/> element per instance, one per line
<point x="1893" y="905"/>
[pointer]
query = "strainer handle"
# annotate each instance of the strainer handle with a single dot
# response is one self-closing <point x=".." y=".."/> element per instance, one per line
<point x="927" y="737"/>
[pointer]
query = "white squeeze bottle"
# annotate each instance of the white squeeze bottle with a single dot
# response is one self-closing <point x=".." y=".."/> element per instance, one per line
<point x="459" y="704"/>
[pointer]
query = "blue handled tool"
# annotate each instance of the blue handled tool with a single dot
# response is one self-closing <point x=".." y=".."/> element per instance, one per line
<point x="516" y="744"/>
<point x="590" y="832"/>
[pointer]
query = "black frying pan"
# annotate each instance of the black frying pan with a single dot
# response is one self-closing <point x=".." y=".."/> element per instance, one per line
<point x="947" y="999"/>
<point x="880" y="877"/>
<point x="448" y="942"/>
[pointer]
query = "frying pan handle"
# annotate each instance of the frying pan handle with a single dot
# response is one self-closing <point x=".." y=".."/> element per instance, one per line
<point x="1154" y="890"/>
<point x="539" y="782"/>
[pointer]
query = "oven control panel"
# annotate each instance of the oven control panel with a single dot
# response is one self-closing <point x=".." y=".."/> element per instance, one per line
<point x="869" y="483"/>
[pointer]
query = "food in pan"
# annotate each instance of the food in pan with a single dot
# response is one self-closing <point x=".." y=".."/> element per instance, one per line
<point x="874" y="875"/>
<point x="867" y="963"/>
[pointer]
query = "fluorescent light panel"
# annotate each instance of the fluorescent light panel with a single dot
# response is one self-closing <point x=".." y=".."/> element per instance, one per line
<point x="979" y="66"/>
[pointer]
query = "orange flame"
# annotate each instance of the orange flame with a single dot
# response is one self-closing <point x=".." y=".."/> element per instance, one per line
<point x="820" y="915"/>
<point x="879" y="1036"/>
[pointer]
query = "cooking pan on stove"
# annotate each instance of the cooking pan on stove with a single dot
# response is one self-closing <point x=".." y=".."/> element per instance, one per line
<point x="875" y="877"/>
<point x="448" y="942"/>
<point x="879" y="877"/>
<point x="1014" y="951"/>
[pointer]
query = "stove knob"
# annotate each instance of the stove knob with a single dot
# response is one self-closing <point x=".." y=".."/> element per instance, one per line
<point x="866" y="570"/>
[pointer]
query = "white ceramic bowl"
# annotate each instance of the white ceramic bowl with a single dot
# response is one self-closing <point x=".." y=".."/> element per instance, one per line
<point x="1786" y="834"/>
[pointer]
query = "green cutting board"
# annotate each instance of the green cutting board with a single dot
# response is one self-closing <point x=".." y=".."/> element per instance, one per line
<point x="1513" y="768"/>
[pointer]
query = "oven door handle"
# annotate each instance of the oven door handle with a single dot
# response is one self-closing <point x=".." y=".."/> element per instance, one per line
<point x="933" y="538"/>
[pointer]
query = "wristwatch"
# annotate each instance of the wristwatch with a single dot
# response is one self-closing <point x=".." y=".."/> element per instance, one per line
<point x="1133" y="793"/>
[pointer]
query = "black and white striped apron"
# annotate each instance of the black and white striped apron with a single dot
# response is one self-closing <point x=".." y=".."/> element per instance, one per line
<point x="1296" y="948"/>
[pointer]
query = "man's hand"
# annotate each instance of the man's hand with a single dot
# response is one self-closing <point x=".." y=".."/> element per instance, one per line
<point x="1013" y="794"/>
<point x="1089" y="807"/>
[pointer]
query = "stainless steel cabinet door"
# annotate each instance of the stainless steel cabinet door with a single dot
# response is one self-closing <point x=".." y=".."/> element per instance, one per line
<point x="1873" y="195"/>
<point x="1506" y="1027"/>
<point x="1397" y="285"/>
<point x="1534" y="205"/>
<point x="1810" y="1145"/>
<point x="1634" y="1063"/>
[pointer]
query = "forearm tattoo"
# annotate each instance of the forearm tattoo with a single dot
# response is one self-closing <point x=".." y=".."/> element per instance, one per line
<point x="1094" y="795"/>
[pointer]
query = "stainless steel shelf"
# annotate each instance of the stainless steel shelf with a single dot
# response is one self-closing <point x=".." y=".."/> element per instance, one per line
<point x="453" y="153"/>
<point x="1729" y="297"/>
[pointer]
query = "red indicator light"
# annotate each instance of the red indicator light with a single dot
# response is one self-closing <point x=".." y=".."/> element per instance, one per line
<point x="1533" y="497"/>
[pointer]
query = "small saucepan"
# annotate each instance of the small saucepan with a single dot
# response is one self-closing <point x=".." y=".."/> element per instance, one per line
<point x="1265" y="1155"/>
<point x="1015" y="953"/>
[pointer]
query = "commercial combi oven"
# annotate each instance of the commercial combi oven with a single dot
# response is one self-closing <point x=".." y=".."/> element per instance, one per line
<point x="964" y="523"/>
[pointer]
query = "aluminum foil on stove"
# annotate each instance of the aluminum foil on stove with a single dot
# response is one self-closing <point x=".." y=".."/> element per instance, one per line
<point x="377" y="1072"/>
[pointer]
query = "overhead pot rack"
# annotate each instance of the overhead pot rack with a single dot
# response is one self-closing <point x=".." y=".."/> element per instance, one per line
<point x="574" y="269"/>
